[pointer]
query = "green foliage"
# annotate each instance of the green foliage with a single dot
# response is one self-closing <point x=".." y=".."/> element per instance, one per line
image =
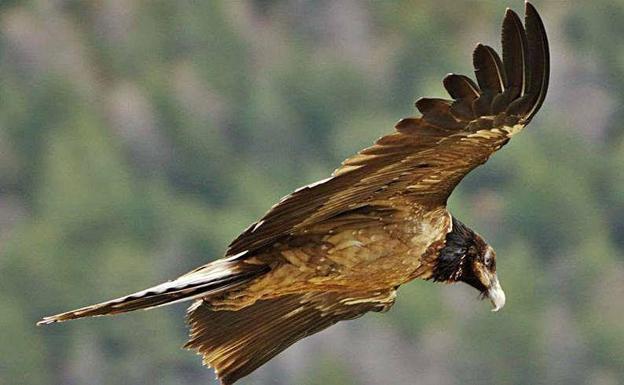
<point x="138" y="138"/>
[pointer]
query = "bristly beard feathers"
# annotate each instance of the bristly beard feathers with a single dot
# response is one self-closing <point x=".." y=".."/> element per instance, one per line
<point x="453" y="257"/>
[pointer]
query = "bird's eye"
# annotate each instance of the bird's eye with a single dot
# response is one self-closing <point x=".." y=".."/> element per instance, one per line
<point x="487" y="259"/>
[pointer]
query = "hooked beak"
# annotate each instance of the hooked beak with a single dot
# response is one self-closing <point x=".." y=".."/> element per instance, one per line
<point x="496" y="294"/>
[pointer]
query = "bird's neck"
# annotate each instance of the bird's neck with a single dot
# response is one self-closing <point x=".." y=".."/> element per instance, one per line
<point x="451" y="258"/>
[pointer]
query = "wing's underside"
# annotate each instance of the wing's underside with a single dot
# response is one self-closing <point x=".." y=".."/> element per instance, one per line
<point x="235" y="343"/>
<point x="428" y="155"/>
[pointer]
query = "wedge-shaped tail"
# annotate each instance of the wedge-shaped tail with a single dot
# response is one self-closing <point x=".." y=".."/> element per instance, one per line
<point x="207" y="280"/>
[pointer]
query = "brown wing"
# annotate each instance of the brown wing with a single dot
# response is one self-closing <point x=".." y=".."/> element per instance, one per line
<point x="235" y="343"/>
<point x="429" y="155"/>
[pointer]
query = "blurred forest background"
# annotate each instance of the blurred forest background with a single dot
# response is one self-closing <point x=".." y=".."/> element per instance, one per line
<point x="138" y="138"/>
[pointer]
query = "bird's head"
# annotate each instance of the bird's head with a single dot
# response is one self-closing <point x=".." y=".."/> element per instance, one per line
<point x="466" y="257"/>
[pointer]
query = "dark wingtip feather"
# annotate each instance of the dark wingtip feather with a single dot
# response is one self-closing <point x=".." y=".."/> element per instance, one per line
<point x="437" y="112"/>
<point x="488" y="69"/>
<point x="432" y="105"/>
<point x="460" y="87"/>
<point x="539" y="59"/>
<point x="514" y="45"/>
<point x="510" y="12"/>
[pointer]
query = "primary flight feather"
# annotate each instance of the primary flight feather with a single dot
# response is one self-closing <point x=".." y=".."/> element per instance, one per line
<point x="341" y="247"/>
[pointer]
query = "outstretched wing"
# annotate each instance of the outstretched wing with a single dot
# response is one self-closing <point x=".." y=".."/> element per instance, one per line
<point x="235" y="343"/>
<point x="429" y="155"/>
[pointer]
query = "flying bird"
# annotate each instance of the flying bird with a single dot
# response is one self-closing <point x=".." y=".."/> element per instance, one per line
<point x="341" y="247"/>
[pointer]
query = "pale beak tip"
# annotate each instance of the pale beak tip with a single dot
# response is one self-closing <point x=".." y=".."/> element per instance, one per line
<point x="496" y="296"/>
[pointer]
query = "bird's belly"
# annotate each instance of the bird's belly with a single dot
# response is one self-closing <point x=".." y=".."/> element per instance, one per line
<point x="382" y="257"/>
<point x="366" y="258"/>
